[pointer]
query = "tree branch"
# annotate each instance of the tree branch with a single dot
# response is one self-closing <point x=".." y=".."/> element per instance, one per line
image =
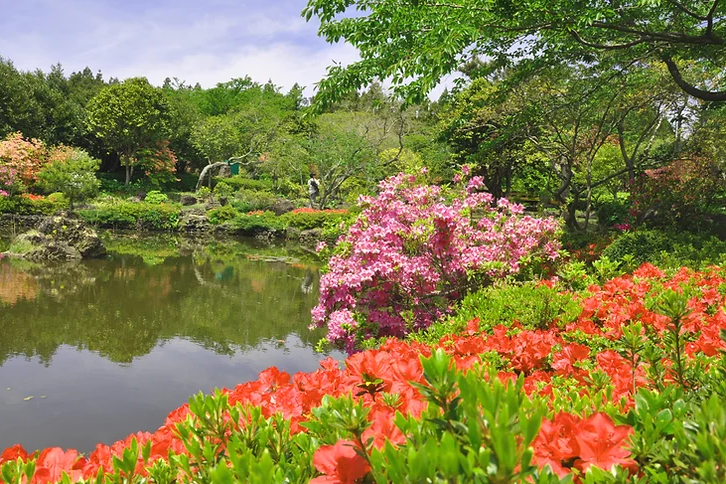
<point x="690" y="89"/>
<point x="626" y="45"/>
<point x="685" y="10"/>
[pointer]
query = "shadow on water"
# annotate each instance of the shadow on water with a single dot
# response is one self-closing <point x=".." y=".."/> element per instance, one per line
<point x="108" y="347"/>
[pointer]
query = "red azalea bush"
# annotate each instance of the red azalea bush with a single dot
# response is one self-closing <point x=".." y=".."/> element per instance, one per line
<point x="310" y="218"/>
<point x="630" y="392"/>
<point x="159" y="163"/>
<point x="679" y="193"/>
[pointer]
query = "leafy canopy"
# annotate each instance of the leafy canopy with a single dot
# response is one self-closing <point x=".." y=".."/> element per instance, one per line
<point x="416" y="42"/>
<point x="128" y="116"/>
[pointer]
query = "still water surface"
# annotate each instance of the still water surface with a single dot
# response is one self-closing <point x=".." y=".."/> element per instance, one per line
<point x="106" y="348"/>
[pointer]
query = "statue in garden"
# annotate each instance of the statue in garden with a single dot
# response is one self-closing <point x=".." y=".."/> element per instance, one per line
<point x="313" y="189"/>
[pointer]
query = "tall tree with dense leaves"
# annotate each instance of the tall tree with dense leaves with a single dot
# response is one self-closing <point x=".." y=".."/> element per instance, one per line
<point x="19" y="109"/>
<point x="415" y="43"/>
<point x="128" y="117"/>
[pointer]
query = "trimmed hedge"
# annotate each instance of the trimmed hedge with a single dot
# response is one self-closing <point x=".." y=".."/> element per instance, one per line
<point x="128" y="215"/>
<point x="307" y="218"/>
<point x="242" y="183"/>
<point x="258" y="221"/>
<point x="25" y="206"/>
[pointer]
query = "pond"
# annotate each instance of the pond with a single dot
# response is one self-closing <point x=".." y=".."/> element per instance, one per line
<point x="94" y="351"/>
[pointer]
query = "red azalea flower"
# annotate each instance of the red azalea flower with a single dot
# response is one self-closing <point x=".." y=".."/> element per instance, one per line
<point x="13" y="453"/>
<point x="603" y="444"/>
<point x="555" y="445"/>
<point x="340" y="463"/>
<point x="53" y="462"/>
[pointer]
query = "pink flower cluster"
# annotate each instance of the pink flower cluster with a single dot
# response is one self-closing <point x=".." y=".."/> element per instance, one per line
<point x="8" y="178"/>
<point x="409" y="256"/>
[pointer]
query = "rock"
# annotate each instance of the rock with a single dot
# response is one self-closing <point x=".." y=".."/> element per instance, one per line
<point x="58" y="237"/>
<point x="211" y="205"/>
<point x="192" y="222"/>
<point x="281" y="206"/>
<point x="75" y="233"/>
<point x="311" y="237"/>
<point x="225" y="171"/>
<point x="187" y="200"/>
<point x="54" y="251"/>
<point x="293" y="233"/>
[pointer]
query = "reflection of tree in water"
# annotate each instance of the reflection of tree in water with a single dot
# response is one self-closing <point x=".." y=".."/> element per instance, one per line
<point x="57" y="280"/>
<point x="307" y="284"/>
<point x="225" y="304"/>
<point x="15" y="285"/>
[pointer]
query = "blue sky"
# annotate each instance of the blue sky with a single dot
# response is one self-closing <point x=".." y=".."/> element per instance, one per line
<point x="205" y="41"/>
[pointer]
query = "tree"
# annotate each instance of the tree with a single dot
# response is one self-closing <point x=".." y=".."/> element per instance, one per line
<point x="490" y="131"/>
<point x="19" y="110"/>
<point x="128" y="117"/>
<point x="72" y="172"/>
<point x="415" y="43"/>
<point x="218" y="139"/>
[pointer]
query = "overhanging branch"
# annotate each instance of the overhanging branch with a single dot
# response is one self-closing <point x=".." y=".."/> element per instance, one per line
<point x="689" y="88"/>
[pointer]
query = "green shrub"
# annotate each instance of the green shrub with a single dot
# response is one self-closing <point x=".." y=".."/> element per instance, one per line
<point x="134" y="215"/>
<point x="22" y="205"/>
<point x="257" y="222"/>
<point x="252" y="200"/>
<point x="221" y="215"/>
<point x="57" y="197"/>
<point x="71" y="171"/>
<point x="204" y="193"/>
<point x="224" y="189"/>
<point x="642" y="245"/>
<point x="110" y="185"/>
<point x="155" y="197"/>
<point x="242" y="183"/>
<point x="531" y="305"/>
<point x="613" y="210"/>
<point x="306" y="218"/>
<point x="666" y="250"/>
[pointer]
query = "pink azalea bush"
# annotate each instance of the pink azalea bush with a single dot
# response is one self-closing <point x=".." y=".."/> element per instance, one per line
<point x="410" y="255"/>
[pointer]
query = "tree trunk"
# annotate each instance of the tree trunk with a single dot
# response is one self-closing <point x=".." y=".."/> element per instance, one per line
<point x="208" y="169"/>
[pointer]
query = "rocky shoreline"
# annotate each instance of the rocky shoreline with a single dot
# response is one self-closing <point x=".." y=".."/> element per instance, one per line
<point x="189" y="224"/>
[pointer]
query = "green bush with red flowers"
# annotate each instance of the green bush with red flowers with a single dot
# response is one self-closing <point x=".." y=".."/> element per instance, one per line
<point x="629" y="391"/>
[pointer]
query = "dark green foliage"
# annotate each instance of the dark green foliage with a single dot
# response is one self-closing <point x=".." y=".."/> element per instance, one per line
<point x="129" y="215"/>
<point x="26" y="206"/>
<point x="240" y="183"/>
<point x="251" y="200"/>
<point x="666" y="250"/>
<point x="642" y="245"/>
<point x="612" y="210"/>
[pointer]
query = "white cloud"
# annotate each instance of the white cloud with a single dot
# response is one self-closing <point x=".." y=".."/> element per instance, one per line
<point x="181" y="39"/>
